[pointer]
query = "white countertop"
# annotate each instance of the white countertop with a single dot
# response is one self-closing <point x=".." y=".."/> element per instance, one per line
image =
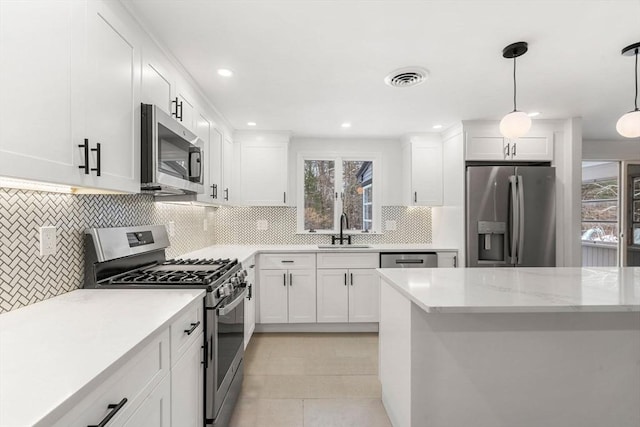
<point x="242" y="252"/>
<point x="52" y="351"/>
<point x="518" y="290"/>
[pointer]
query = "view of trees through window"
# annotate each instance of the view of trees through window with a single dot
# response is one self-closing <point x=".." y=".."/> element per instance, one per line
<point x="600" y="210"/>
<point x="353" y="194"/>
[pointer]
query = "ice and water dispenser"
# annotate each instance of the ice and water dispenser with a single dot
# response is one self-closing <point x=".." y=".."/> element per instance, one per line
<point x="492" y="240"/>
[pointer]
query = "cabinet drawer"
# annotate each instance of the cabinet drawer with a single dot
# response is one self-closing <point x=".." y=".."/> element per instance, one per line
<point x="185" y="330"/>
<point x="287" y="261"/>
<point x="350" y="260"/>
<point x="133" y="381"/>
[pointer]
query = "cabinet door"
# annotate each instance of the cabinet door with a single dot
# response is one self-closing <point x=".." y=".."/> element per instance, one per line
<point x="154" y="411"/>
<point x="447" y="259"/>
<point x="112" y="97"/>
<point x="364" y="296"/>
<point x="302" y="296"/>
<point x="426" y="173"/>
<point x="333" y="295"/>
<point x="273" y="296"/>
<point x="264" y="173"/>
<point x="485" y="148"/>
<point x="227" y="170"/>
<point x="157" y="82"/>
<point x="250" y="301"/>
<point x="215" y="164"/>
<point x="187" y="387"/>
<point x="532" y="148"/>
<point x="40" y="49"/>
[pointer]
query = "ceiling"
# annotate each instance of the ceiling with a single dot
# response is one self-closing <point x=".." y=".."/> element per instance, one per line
<point x="309" y="65"/>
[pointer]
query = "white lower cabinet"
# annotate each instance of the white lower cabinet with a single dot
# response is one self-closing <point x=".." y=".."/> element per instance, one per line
<point x="250" y="301"/>
<point x="155" y="410"/>
<point x="447" y="259"/>
<point x="348" y="295"/>
<point x="187" y="376"/>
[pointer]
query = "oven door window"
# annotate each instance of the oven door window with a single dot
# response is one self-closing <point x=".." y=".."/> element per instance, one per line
<point x="230" y="339"/>
<point x="176" y="156"/>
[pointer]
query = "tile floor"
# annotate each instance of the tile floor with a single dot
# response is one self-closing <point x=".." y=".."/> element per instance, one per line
<point x="311" y="380"/>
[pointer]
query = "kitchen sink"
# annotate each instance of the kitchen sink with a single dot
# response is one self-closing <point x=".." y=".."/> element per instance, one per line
<point x="343" y="246"/>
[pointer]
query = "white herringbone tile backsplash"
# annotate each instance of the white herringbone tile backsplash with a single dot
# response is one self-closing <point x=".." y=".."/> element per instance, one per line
<point x="25" y="277"/>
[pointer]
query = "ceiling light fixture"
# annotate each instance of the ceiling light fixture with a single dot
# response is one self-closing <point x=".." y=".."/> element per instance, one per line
<point x="516" y="123"/>
<point x="251" y="123"/>
<point x="225" y="72"/>
<point x="346" y="125"/>
<point x="437" y="126"/>
<point x="629" y="124"/>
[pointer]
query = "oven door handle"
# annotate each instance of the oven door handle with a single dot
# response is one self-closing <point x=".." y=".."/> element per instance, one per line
<point x="223" y="311"/>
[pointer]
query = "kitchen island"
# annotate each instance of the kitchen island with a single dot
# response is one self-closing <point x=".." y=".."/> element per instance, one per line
<point x="510" y="346"/>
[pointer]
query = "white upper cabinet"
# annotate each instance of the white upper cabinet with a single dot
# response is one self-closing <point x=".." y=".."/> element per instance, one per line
<point x="422" y="171"/>
<point x="158" y="81"/>
<point x="264" y="160"/>
<point x="532" y="147"/>
<point x="70" y="72"/>
<point x="112" y="98"/>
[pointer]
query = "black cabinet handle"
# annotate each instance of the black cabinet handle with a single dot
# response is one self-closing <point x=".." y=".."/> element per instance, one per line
<point x="415" y="197"/>
<point x="507" y="150"/>
<point x="455" y="261"/>
<point x="98" y="153"/>
<point x="193" y="328"/>
<point x="115" y="408"/>
<point x="284" y="279"/>
<point x="214" y="191"/>
<point x="287" y="261"/>
<point x="513" y="152"/>
<point x="85" y="146"/>
<point x="351" y="274"/>
<point x="178" y="105"/>
<point x="345" y="279"/>
<point x="249" y="293"/>
<point x="290" y="279"/>
<point x="285" y="197"/>
<point x="226" y="194"/>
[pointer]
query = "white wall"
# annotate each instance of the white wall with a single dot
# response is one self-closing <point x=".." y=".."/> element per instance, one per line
<point x="627" y="149"/>
<point x="389" y="151"/>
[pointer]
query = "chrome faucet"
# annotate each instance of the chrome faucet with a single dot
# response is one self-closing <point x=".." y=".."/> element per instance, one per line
<point x="344" y="222"/>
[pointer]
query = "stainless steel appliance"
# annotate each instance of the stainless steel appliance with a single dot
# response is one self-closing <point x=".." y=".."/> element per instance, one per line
<point x="510" y="216"/>
<point x="134" y="257"/>
<point x="408" y="260"/>
<point x="172" y="161"/>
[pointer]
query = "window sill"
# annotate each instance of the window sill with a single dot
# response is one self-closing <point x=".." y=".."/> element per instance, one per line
<point x="336" y="233"/>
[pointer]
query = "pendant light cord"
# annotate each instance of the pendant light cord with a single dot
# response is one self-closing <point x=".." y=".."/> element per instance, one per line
<point x="514" y="83"/>
<point x="636" y="79"/>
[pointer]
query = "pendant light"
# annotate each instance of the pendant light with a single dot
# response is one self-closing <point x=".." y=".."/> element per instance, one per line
<point x="516" y="123"/>
<point x="629" y="124"/>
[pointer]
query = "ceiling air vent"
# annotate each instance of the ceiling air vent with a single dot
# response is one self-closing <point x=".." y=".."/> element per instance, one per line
<point x="407" y="77"/>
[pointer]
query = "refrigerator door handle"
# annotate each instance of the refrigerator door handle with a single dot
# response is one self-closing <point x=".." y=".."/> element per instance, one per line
<point x="521" y="218"/>
<point x="515" y="216"/>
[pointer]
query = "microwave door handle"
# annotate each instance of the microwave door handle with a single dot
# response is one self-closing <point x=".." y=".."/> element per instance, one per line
<point x="514" y="227"/>
<point x="195" y="165"/>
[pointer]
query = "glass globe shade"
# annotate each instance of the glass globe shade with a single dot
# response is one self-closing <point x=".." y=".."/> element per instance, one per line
<point x="629" y="125"/>
<point x="515" y="124"/>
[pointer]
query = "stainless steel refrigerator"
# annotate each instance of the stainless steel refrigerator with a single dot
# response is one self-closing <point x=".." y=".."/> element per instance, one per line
<point x="511" y="216"/>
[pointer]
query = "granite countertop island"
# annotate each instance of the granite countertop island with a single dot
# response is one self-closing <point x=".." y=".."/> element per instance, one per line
<point x="519" y="347"/>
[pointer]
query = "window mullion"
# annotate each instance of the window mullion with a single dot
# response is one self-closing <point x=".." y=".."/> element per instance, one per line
<point x="338" y="191"/>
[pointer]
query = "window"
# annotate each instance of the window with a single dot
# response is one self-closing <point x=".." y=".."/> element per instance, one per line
<point x="333" y="185"/>
<point x="600" y="210"/>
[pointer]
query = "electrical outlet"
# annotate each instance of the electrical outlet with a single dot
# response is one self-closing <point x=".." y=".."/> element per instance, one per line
<point x="205" y="224"/>
<point x="47" y="241"/>
<point x="172" y="228"/>
<point x="390" y="225"/>
<point x="262" y="225"/>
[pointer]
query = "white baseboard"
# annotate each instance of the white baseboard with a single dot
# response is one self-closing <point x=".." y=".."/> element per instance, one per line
<point x="316" y="327"/>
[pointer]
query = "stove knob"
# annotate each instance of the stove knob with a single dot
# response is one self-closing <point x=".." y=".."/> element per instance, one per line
<point x="234" y="281"/>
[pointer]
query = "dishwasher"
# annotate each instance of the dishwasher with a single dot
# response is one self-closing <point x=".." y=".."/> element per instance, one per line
<point x="408" y="260"/>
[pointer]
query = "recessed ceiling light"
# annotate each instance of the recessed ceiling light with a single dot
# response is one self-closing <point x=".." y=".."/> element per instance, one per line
<point x="225" y="72"/>
<point x="251" y="123"/>
<point x="346" y="125"/>
<point x="534" y="114"/>
<point x="437" y="126"/>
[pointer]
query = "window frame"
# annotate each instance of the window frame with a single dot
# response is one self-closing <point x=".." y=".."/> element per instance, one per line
<point x="338" y="158"/>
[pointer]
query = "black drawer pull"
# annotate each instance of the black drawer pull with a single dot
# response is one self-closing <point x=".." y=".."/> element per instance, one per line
<point x="115" y="408"/>
<point x="409" y="261"/>
<point x="98" y="152"/>
<point x="85" y="146"/>
<point x="193" y="328"/>
<point x="287" y="261"/>
<point x="351" y="277"/>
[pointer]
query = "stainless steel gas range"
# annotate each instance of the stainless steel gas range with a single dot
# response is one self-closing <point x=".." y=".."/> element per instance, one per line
<point x="134" y="258"/>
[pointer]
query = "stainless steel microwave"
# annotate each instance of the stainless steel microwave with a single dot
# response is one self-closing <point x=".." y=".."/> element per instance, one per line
<point x="171" y="154"/>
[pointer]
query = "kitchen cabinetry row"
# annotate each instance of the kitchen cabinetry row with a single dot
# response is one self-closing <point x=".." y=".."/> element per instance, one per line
<point x="327" y="287"/>
<point x="161" y="384"/>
